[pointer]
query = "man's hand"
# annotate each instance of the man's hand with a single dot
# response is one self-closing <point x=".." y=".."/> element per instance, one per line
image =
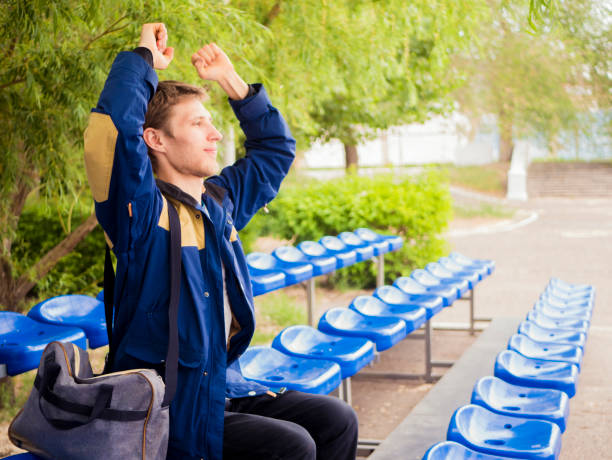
<point x="155" y="37"/>
<point x="212" y="64"/>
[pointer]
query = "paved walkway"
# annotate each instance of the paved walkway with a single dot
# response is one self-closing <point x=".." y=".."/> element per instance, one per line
<point x="570" y="239"/>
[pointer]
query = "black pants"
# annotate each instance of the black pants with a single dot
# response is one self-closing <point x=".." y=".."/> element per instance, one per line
<point x="293" y="425"/>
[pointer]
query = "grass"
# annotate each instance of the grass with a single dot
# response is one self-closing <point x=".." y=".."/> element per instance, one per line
<point x="276" y="311"/>
<point x="482" y="210"/>
<point x="490" y="178"/>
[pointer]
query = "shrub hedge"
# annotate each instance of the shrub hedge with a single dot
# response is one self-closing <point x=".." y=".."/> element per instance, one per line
<point x="417" y="208"/>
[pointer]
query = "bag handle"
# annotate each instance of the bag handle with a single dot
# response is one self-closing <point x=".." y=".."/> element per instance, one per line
<point x="172" y="355"/>
<point x="103" y="399"/>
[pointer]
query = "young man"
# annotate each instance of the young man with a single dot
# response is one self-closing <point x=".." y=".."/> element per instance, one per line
<point x="216" y="413"/>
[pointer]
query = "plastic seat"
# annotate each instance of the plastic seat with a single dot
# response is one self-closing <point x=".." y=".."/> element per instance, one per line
<point x="579" y="314"/>
<point x="561" y="336"/>
<point x="504" y="398"/>
<point x="439" y="271"/>
<point x="368" y="305"/>
<point x="80" y="311"/>
<point x="427" y="279"/>
<point x="262" y="280"/>
<point x="335" y="247"/>
<point x="516" y="369"/>
<point x="276" y="370"/>
<point x="448" y="294"/>
<point x="291" y="255"/>
<point x="546" y="321"/>
<point x="393" y="296"/>
<point x="22" y="340"/>
<point x="566" y="302"/>
<point x="569" y="296"/>
<point x="450" y="450"/>
<point x="383" y="331"/>
<point x="494" y="434"/>
<point x="260" y="263"/>
<point x="395" y="242"/>
<point x="469" y="262"/>
<point x="364" y="250"/>
<point x="100" y="295"/>
<point x="314" y="249"/>
<point x="351" y="353"/>
<point x="548" y="351"/>
<point x="379" y="245"/>
<point x="569" y="287"/>
<point x="454" y="267"/>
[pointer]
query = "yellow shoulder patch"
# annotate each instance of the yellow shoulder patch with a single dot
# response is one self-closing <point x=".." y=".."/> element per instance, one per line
<point x="233" y="235"/>
<point x="100" y="140"/>
<point x="192" y="227"/>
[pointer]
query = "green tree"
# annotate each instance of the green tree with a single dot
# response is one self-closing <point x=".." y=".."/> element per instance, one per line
<point x="532" y="81"/>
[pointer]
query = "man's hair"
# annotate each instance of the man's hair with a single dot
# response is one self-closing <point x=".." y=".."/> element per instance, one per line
<point x="169" y="93"/>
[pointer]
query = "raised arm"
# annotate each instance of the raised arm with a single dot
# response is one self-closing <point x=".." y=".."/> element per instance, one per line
<point x="118" y="168"/>
<point x="252" y="181"/>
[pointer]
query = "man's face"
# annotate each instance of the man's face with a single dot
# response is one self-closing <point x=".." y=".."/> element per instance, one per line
<point x="191" y="147"/>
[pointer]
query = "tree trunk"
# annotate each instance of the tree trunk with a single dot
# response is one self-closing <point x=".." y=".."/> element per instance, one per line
<point x="350" y="153"/>
<point x="12" y="290"/>
<point x="506" y="143"/>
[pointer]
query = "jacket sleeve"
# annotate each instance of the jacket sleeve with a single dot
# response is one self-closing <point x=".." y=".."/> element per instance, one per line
<point x="118" y="168"/>
<point x="254" y="180"/>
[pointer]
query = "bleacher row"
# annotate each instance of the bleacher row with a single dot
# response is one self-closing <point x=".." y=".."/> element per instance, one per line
<point x="301" y="357"/>
<point x="521" y="411"/>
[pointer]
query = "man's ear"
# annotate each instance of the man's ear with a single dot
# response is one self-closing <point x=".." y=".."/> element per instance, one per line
<point x="153" y="139"/>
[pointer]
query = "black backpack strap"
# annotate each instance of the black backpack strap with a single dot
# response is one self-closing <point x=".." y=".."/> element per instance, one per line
<point x="173" y="308"/>
<point x="171" y="373"/>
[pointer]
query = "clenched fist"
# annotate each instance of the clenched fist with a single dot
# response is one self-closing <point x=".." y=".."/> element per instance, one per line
<point x="155" y="37"/>
<point x="213" y="64"/>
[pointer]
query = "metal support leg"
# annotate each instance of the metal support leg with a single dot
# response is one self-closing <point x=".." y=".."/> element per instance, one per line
<point x="473" y="291"/>
<point x="341" y="394"/>
<point x="348" y="395"/>
<point x="428" y="350"/>
<point x="469" y="326"/>
<point x="3" y="372"/>
<point x="310" y="299"/>
<point x="380" y="272"/>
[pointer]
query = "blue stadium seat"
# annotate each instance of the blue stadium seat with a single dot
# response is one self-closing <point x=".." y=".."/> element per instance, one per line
<point x="516" y="369"/>
<point x="548" y="351"/>
<point x="262" y="280"/>
<point x="292" y="255"/>
<point x="428" y="280"/>
<point x="383" y="331"/>
<point x="368" y="305"/>
<point x="22" y="340"/>
<point x="410" y="286"/>
<point x="565" y="295"/>
<point x="569" y="287"/>
<point x="469" y="262"/>
<point x="260" y="263"/>
<point x="364" y="250"/>
<point x="335" y="247"/>
<point x="579" y="314"/>
<point x="439" y="271"/>
<point x="566" y="302"/>
<point x="504" y="398"/>
<point x="314" y="249"/>
<point x="450" y="450"/>
<point x="546" y="321"/>
<point x="393" y="296"/>
<point x="454" y="267"/>
<point x="100" y="295"/>
<point x="276" y="370"/>
<point x="541" y="334"/>
<point x="351" y="353"/>
<point x="379" y="245"/>
<point x="395" y="242"/>
<point x="80" y="311"/>
<point x="494" y="434"/>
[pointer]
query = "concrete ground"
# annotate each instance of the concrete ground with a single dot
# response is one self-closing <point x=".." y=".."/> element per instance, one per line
<point x="570" y="239"/>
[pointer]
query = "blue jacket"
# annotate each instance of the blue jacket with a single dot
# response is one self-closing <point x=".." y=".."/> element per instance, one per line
<point x="133" y="212"/>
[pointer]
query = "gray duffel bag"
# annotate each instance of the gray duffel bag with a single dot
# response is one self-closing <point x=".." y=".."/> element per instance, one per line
<point x="73" y="415"/>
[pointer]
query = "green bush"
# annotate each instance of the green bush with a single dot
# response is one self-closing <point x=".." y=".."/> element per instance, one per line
<point x="415" y="207"/>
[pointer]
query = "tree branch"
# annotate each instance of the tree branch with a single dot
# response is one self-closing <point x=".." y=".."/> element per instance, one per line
<point x="108" y="30"/>
<point x="272" y="14"/>
<point x="11" y="83"/>
<point x="25" y="283"/>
